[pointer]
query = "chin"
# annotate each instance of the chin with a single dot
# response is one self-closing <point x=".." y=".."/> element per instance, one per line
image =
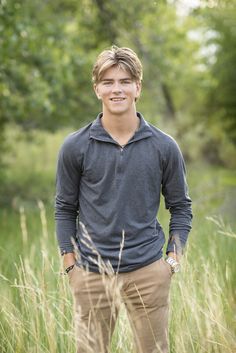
<point x="121" y="112"/>
<point x="117" y="111"/>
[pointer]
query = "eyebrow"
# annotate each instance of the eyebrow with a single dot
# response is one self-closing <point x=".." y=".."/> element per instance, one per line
<point x="121" y="79"/>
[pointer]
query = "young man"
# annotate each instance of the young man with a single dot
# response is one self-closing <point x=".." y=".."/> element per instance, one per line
<point x="110" y="177"/>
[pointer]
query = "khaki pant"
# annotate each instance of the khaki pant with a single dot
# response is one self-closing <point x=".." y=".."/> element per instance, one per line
<point x="97" y="297"/>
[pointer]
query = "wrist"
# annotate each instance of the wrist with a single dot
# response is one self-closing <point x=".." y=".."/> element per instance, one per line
<point x="174" y="255"/>
<point x="68" y="260"/>
<point x="174" y="264"/>
<point x="68" y="269"/>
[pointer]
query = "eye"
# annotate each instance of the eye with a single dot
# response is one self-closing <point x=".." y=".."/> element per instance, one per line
<point x="107" y="83"/>
<point x="126" y="82"/>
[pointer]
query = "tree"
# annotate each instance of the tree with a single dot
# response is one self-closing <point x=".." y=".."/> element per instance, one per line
<point x="48" y="48"/>
<point x="43" y="65"/>
<point x="221" y="99"/>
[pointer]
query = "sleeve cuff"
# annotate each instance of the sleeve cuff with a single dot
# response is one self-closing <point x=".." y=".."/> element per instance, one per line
<point x="66" y="251"/>
<point x="175" y="245"/>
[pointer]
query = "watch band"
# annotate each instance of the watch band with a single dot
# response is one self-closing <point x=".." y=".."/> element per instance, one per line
<point x="175" y="265"/>
<point x="68" y="269"/>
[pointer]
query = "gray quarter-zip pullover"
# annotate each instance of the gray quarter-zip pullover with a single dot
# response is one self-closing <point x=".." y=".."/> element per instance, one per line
<point x="111" y="190"/>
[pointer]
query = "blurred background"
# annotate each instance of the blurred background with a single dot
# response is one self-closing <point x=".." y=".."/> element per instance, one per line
<point x="188" y="50"/>
<point x="47" y="50"/>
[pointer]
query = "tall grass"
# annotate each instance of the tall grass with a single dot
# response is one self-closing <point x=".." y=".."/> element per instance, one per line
<point x="36" y="302"/>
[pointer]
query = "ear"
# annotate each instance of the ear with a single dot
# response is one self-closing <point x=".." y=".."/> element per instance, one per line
<point x="139" y="89"/>
<point x="95" y="87"/>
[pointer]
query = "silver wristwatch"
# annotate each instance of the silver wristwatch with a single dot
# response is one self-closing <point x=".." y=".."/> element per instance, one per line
<point x="175" y="265"/>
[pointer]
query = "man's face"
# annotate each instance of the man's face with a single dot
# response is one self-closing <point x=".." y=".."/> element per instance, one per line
<point x="118" y="91"/>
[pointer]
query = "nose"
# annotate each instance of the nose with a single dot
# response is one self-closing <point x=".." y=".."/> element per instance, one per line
<point x="116" y="88"/>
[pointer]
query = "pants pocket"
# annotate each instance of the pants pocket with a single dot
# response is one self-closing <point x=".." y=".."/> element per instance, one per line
<point x="73" y="276"/>
<point x="167" y="266"/>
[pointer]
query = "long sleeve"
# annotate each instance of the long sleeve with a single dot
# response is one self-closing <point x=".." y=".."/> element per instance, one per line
<point x="67" y="195"/>
<point x="177" y="200"/>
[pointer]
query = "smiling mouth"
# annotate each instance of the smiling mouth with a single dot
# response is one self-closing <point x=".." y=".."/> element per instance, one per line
<point x="120" y="99"/>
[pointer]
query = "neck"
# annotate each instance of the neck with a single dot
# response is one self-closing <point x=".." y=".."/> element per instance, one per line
<point x="124" y="123"/>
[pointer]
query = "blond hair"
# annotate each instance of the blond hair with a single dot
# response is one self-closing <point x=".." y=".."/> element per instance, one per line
<point x="124" y="58"/>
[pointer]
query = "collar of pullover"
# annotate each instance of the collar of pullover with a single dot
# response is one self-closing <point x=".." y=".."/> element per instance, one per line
<point x="97" y="131"/>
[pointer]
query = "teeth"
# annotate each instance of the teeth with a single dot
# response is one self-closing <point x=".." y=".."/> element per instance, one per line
<point x="117" y="99"/>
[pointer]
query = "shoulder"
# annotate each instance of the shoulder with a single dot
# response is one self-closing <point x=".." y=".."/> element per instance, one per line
<point x="76" y="141"/>
<point x="165" y="142"/>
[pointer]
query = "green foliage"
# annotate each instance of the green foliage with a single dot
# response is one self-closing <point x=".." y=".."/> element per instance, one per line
<point x="48" y="49"/>
<point x="44" y="67"/>
<point x="217" y="110"/>
<point x="30" y="161"/>
<point x="222" y="103"/>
